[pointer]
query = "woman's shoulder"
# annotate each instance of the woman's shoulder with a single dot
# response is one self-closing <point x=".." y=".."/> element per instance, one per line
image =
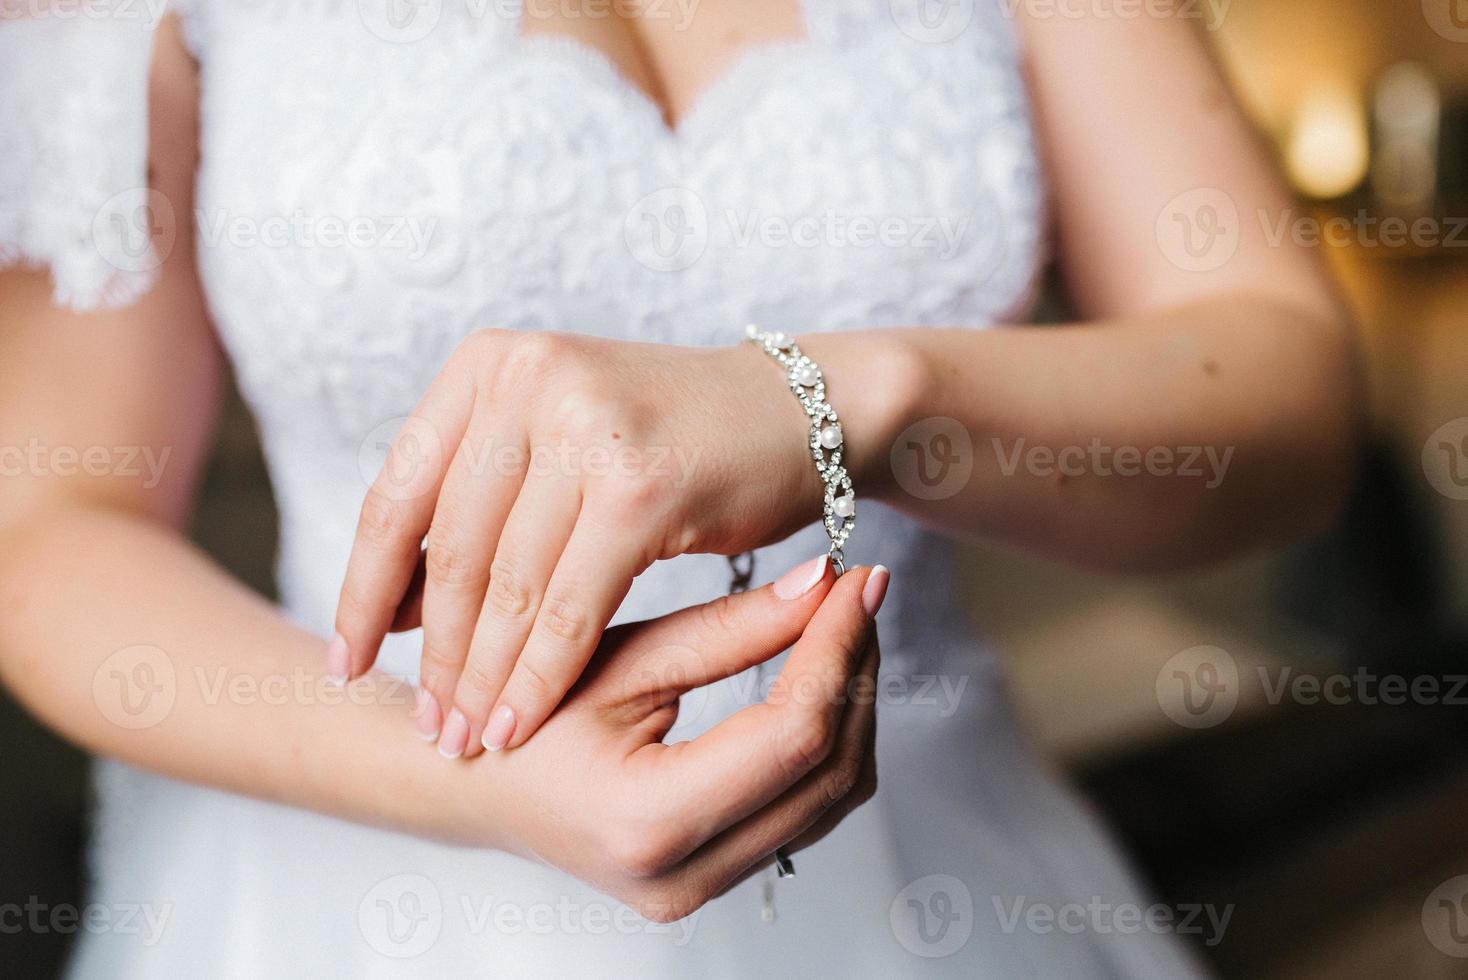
<point x="91" y="96"/>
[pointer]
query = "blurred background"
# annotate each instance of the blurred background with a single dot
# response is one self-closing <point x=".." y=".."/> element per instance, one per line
<point x="1287" y="735"/>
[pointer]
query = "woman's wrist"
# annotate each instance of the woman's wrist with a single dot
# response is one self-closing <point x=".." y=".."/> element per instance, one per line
<point x="771" y="410"/>
<point x="875" y="380"/>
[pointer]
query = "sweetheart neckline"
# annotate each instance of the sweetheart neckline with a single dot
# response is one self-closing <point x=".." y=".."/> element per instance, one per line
<point x="690" y="126"/>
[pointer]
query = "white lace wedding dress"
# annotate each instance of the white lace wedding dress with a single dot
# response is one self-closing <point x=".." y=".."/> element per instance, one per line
<point x="880" y="171"/>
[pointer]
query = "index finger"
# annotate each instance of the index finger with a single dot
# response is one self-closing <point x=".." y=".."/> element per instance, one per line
<point x="394" y="518"/>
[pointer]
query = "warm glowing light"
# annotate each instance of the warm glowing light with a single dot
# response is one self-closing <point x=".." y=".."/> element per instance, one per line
<point x="1328" y="150"/>
<point x="1408" y="111"/>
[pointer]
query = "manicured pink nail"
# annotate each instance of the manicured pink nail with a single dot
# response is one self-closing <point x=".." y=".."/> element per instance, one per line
<point x="501" y="726"/>
<point x="427" y="715"/>
<point x="875" y="591"/>
<point x="338" y="660"/>
<point x="801" y="579"/>
<point x="455" y="737"/>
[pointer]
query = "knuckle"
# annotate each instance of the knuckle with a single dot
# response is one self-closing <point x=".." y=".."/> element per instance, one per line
<point x="837" y="784"/>
<point x="684" y="537"/>
<point x="478" y="680"/>
<point x="448" y="562"/>
<point x="641" y="855"/>
<point x="481" y="343"/>
<point x="809" y="741"/>
<point x="508" y="595"/>
<point x="441" y="688"/>
<point x="719" y="617"/>
<point x="666" y="903"/>
<point x="640" y="493"/>
<point x="437" y="676"/>
<point x="380" y="515"/>
<point x="830" y="794"/>
<point x="534" y="685"/>
<point x="669" y="910"/>
<point x="480" y="356"/>
<point x="531" y="355"/>
<point x="439" y="665"/>
<point x="565" y="619"/>
<point x="580" y="409"/>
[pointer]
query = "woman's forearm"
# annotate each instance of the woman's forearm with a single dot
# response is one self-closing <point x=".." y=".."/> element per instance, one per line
<point x="123" y="639"/>
<point x="1155" y="441"/>
<point x="120" y="636"/>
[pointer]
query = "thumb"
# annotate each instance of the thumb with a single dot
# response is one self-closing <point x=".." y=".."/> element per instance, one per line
<point x="756" y="754"/>
<point x="832" y="644"/>
<point x="703" y="644"/>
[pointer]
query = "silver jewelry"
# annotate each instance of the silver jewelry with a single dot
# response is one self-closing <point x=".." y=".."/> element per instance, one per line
<point x="839" y="514"/>
<point x="783" y="866"/>
<point x="826" y="438"/>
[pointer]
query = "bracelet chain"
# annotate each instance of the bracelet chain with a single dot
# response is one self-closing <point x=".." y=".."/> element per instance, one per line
<point x="826" y="438"/>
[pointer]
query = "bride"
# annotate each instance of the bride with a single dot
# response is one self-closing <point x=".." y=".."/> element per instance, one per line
<point x="482" y="271"/>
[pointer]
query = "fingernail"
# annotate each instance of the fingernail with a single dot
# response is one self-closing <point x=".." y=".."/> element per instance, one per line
<point x="801" y="579"/>
<point x="501" y="726"/>
<point x="875" y="591"/>
<point x="427" y="715"/>
<point x="337" y="660"/>
<point x="455" y="737"/>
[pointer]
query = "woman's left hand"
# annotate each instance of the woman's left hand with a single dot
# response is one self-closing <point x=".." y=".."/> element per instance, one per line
<point x="546" y="471"/>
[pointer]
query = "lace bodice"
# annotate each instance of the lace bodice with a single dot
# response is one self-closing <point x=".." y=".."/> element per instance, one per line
<point x="522" y="182"/>
<point x="380" y="177"/>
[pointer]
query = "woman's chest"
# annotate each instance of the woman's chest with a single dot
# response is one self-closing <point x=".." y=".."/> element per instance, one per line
<point x="368" y="196"/>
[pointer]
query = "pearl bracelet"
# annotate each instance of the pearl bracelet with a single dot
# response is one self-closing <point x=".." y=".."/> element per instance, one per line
<point x="826" y="440"/>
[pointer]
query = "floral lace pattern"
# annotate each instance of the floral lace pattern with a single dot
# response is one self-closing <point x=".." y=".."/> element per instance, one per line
<point x="872" y="172"/>
<point x="858" y="177"/>
<point x="73" y="154"/>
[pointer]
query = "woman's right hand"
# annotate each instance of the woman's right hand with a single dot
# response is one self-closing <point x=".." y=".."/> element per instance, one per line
<point x="666" y="827"/>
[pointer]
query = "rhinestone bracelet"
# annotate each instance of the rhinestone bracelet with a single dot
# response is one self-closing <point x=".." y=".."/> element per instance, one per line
<point x="809" y="385"/>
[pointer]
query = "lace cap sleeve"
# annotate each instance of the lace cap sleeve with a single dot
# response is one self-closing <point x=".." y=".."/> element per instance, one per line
<point x="73" y="149"/>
